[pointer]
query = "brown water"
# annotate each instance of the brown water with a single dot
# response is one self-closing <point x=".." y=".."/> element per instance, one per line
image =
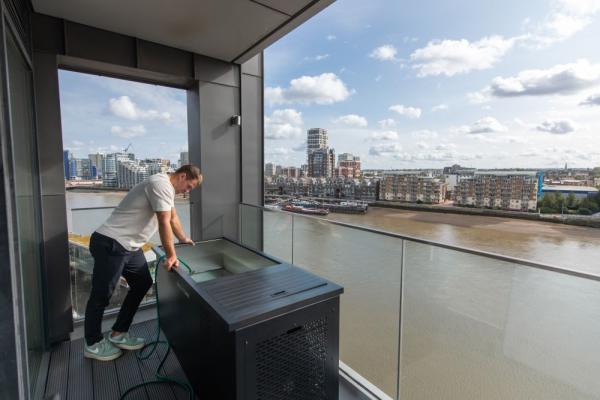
<point x="566" y="246"/>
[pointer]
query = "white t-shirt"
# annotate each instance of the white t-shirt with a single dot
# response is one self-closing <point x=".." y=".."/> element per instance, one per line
<point x="134" y="221"/>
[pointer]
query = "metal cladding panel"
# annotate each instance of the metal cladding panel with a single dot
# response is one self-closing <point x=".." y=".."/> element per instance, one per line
<point x="211" y="70"/>
<point x="56" y="268"/>
<point x="253" y="66"/>
<point x="252" y="140"/>
<point x="96" y="44"/>
<point x="289" y="7"/>
<point x="49" y="138"/>
<point x="219" y="160"/>
<point x="156" y="57"/>
<point x="48" y="34"/>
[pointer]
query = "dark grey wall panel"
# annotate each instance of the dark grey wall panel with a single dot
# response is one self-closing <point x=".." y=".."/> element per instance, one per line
<point x="8" y="356"/>
<point x="210" y="70"/>
<point x="156" y="57"/>
<point x="219" y="160"/>
<point x="54" y="220"/>
<point x="253" y="66"/>
<point x="48" y="34"/>
<point x="193" y="118"/>
<point x="56" y="268"/>
<point x="96" y="44"/>
<point x="252" y="140"/>
<point x="49" y="139"/>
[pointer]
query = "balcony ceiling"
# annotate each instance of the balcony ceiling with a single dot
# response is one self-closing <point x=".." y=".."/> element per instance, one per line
<point x="229" y="30"/>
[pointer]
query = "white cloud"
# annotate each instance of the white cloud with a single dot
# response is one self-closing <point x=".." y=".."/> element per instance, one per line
<point x="318" y="57"/>
<point x="386" y="123"/>
<point x="383" y="135"/>
<point x="593" y="100"/>
<point x="424" y="134"/>
<point x="283" y="124"/>
<point x="124" y="107"/>
<point x="352" y="120"/>
<point x="485" y="125"/>
<point x="558" y="127"/>
<point x="422" y="145"/>
<point x="445" y="146"/>
<point x="326" y="88"/>
<point x="128" y="132"/>
<point x="78" y="143"/>
<point x="561" y="79"/>
<point x="566" y="18"/>
<point x="451" y="57"/>
<point x="387" y="52"/>
<point x="331" y="37"/>
<point x="480" y="97"/>
<point x="385" y="149"/>
<point x="440" y="107"/>
<point x="409" y="112"/>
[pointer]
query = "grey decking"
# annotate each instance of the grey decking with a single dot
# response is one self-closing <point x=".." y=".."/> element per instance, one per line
<point x="73" y="377"/>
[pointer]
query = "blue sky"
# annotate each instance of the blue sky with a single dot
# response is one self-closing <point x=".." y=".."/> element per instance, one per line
<point x="402" y="84"/>
<point x="426" y="84"/>
<point x="104" y="115"/>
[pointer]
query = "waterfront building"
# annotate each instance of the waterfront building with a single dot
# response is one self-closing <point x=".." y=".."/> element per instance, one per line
<point x="109" y="170"/>
<point x="130" y="173"/>
<point x="316" y="139"/>
<point x="67" y="156"/>
<point x="292" y="172"/>
<point x="340" y="187"/>
<point x="96" y="161"/>
<point x="269" y="169"/>
<point x="349" y="165"/>
<point x="506" y="190"/>
<point x="321" y="163"/>
<point x="412" y="188"/>
<point x="278" y="170"/>
<point x="184" y="158"/>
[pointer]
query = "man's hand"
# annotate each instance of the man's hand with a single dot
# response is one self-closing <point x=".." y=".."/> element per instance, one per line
<point x="187" y="240"/>
<point x="171" y="262"/>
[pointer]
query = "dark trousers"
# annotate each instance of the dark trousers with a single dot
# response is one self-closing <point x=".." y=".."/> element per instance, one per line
<point x="111" y="260"/>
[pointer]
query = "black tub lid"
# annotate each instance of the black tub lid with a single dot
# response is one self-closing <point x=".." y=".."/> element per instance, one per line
<point x="250" y="297"/>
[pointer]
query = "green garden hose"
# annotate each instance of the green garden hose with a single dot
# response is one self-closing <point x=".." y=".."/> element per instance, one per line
<point x="160" y="378"/>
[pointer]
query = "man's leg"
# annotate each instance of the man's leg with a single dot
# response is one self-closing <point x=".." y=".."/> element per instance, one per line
<point x="138" y="277"/>
<point x="108" y="266"/>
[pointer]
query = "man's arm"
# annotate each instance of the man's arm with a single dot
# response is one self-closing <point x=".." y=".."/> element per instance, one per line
<point x="178" y="229"/>
<point x="166" y="238"/>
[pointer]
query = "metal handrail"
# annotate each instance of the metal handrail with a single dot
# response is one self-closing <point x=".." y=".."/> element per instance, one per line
<point x="482" y="253"/>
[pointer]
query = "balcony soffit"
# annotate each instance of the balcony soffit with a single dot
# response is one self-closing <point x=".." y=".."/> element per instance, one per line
<point x="222" y="29"/>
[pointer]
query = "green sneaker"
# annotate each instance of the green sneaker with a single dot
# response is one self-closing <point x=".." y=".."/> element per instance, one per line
<point x="102" y="351"/>
<point x="126" y="342"/>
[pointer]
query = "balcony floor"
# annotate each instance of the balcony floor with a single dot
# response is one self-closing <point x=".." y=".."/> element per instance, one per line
<point x="71" y="376"/>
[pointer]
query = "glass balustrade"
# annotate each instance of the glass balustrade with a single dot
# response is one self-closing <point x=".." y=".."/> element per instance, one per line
<point x="425" y="320"/>
<point x="82" y="223"/>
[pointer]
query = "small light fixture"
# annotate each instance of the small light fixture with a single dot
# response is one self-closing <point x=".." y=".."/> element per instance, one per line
<point x="236" y="120"/>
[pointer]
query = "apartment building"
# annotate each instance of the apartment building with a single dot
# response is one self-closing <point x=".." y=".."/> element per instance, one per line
<point x="506" y="190"/>
<point x="412" y="188"/>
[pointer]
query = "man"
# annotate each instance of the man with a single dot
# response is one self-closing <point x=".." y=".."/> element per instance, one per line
<point x="116" y="248"/>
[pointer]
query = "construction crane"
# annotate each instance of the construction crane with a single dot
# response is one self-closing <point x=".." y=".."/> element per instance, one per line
<point x="127" y="148"/>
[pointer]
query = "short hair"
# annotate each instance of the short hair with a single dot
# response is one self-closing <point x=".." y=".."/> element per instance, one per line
<point x="191" y="172"/>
